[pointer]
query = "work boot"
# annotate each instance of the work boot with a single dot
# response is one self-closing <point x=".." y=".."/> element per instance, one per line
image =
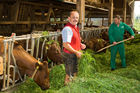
<point x="112" y="69"/>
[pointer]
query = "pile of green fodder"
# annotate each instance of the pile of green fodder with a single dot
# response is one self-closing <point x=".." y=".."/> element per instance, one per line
<point x="95" y="76"/>
<point x="134" y="41"/>
<point x="87" y="65"/>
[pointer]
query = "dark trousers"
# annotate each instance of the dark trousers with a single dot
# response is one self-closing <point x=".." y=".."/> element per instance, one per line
<point x="70" y="61"/>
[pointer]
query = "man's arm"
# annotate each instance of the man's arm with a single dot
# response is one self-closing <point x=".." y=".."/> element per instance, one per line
<point x="129" y="29"/>
<point x="83" y="46"/>
<point x="69" y="48"/>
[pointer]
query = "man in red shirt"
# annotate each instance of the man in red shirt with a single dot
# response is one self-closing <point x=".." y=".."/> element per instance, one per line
<point x="72" y="44"/>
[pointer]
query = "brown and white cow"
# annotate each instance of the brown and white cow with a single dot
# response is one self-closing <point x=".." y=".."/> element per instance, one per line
<point x="27" y="64"/>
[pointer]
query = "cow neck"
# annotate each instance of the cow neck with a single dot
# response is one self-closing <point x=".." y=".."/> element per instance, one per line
<point x="31" y="67"/>
<point x="29" y="71"/>
<point x="26" y="61"/>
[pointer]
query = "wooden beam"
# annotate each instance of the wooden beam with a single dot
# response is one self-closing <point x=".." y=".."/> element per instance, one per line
<point x="132" y="14"/>
<point x="69" y="7"/>
<point x="124" y="11"/>
<point x="17" y="10"/>
<point x="118" y="9"/>
<point x="102" y="5"/>
<point x="30" y="22"/>
<point x="88" y="19"/>
<point x="81" y="9"/>
<point x="49" y="14"/>
<point x="102" y="21"/>
<point x="88" y="6"/>
<point x="1" y="10"/>
<point x="110" y="14"/>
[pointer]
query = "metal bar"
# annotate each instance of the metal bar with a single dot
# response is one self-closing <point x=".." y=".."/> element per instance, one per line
<point x="4" y="63"/>
<point x="11" y="86"/>
<point x="8" y="64"/>
<point x="14" y="60"/>
<point x="37" y="48"/>
<point x="13" y="82"/>
<point x="24" y="38"/>
<point x="42" y="48"/>
<point x="27" y="45"/>
<point x="32" y="46"/>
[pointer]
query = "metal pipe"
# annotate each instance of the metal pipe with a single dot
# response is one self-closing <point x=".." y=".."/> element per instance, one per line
<point x="37" y="48"/>
<point x="4" y="63"/>
<point x="32" y="46"/>
<point x="13" y="82"/>
<point x="14" y="60"/>
<point x="27" y="45"/>
<point x="8" y="65"/>
<point x="42" y="48"/>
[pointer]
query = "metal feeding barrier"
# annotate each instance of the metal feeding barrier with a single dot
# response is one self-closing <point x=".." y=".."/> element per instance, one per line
<point x="92" y="32"/>
<point x="8" y="56"/>
<point x="32" y="39"/>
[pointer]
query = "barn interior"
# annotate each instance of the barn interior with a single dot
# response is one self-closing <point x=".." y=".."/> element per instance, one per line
<point x="32" y="29"/>
<point x="26" y="16"/>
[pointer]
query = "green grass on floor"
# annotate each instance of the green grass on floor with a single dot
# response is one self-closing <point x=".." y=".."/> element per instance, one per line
<point x="94" y="74"/>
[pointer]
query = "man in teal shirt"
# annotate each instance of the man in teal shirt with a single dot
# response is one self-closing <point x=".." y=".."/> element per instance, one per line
<point x="116" y="34"/>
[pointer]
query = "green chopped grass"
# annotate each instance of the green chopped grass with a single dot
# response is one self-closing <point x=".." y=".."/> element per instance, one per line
<point x="94" y="74"/>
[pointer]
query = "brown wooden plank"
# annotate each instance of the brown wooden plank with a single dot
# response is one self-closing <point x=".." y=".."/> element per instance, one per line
<point x="1" y="10"/>
<point x="110" y="13"/>
<point x="17" y="10"/>
<point x="124" y="11"/>
<point x="31" y="22"/>
<point x="81" y="9"/>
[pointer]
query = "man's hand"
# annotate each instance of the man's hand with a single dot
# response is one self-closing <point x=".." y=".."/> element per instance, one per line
<point x="114" y="43"/>
<point x="78" y="54"/>
<point x="132" y="37"/>
<point x="83" y="46"/>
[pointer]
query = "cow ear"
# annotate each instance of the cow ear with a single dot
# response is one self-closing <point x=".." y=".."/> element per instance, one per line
<point x="45" y="62"/>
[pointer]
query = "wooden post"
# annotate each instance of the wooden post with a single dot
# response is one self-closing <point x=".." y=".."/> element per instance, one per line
<point x="124" y="11"/>
<point x="81" y="9"/>
<point x="1" y="10"/>
<point x="49" y="15"/>
<point x="132" y="14"/>
<point x="17" y="10"/>
<point x="102" y="21"/>
<point x="110" y="12"/>
<point x="87" y="23"/>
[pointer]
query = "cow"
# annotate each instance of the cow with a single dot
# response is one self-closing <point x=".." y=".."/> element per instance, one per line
<point x="104" y="35"/>
<point x="95" y="44"/>
<point x="51" y="51"/>
<point x="27" y="65"/>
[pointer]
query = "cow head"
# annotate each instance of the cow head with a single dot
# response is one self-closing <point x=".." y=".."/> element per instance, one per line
<point x="54" y="53"/>
<point x="42" y="76"/>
